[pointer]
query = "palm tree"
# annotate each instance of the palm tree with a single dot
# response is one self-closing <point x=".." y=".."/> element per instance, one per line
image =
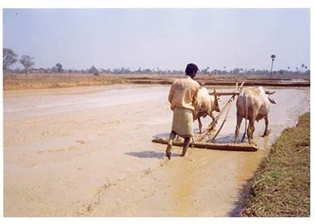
<point x="272" y="60"/>
<point x="302" y="67"/>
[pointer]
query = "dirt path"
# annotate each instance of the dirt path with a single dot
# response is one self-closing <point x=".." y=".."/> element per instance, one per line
<point x="88" y="152"/>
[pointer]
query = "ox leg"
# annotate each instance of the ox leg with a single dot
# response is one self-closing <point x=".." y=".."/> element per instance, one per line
<point x="200" y="125"/>
<point x="250" y="131"/>
<point x="266" y="132"/>
<point x="238" y="125"/>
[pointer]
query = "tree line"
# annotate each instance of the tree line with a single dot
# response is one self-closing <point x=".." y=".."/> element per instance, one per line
<point x="10" y="58"/>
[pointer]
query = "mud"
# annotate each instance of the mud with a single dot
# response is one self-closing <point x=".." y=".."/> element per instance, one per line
<point x="87" y="151"/>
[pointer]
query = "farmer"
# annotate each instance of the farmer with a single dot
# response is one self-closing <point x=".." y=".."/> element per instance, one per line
<point x="182" y="97"/>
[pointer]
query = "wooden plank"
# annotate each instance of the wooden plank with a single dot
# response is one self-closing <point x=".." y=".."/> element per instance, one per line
<point x="214" y="146"/>
<point x="225" y="93"/>
<point x="235" y="93"/>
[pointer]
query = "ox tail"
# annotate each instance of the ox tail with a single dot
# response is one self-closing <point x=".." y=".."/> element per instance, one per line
<point x="246" y="116"/>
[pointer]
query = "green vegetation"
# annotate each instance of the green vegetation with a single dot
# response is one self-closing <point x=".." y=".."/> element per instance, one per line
<point x="10" y="58"/>
<point x="281" y="187"/>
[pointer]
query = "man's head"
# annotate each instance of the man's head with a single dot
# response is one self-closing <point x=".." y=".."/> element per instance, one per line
<point x="191" y="70"/>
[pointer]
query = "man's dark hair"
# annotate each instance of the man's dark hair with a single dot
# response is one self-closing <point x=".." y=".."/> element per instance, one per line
<point x="191" y="68"/>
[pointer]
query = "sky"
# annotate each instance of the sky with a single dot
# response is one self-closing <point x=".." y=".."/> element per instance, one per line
<point x="164" y="38"/>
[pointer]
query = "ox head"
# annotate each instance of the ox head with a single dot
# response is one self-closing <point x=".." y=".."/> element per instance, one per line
<point x="216" y="101"/>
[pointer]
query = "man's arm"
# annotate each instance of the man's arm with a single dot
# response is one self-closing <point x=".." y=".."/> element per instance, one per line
<point x="194" y="100"/>
<point x="171" y="93"/>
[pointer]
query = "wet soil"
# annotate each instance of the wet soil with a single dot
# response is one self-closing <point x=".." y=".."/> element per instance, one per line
<point x="87" y="151"/>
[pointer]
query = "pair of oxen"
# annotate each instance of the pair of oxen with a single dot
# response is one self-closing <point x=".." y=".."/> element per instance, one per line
<point x="252" y="103"/>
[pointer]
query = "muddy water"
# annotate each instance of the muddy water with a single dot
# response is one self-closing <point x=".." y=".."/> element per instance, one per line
<point x="88" y="152"/>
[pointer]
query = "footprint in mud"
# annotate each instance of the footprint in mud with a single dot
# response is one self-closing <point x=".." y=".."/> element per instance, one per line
<point x="45" y="133"/>
<point x="145" y="172"/>
<point x="57" y="150"/>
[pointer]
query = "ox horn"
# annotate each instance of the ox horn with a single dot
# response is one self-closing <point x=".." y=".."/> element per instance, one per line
<point x="272" y="100"/>
<point x="270" y="93"/>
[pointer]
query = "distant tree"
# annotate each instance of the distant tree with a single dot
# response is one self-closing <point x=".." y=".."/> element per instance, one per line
<point x="272" y="60"/>
<point x="224" y="70"/>
<point x="59" y="67"/>
<point x="206" y="70"/>
<point x="42" y="70"/>
<point x="9" y="58"/>
<point x="17" y="70"/>
<point x="236" y="71"/>
<point x="124" y="70"/>
<point x="93" y="70"/>
<point x="281" y="72"/>
<point x="54" y="69"/>
<point x="307" y="71"/>
<point x="252" y="71"/>
<point x="101" y="70"/>
<point x="147" y="71"/>
<point x="27" y="62"/>
<point x="302" y="66"/>
<point x="215" y="72"/>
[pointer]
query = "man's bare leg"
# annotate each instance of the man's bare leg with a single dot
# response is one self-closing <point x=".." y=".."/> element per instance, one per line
<point x="170" y="144"/>
<point x="185" y="147"/>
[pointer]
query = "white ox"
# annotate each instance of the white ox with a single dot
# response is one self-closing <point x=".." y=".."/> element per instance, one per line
<point x="252" y="104"/>
<point x="205" y="105"/>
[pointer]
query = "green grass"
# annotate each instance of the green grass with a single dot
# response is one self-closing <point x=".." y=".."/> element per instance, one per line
<point x="281" y="187"/>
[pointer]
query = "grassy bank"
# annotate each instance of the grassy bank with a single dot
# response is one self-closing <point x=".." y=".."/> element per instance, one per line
<point x="281" y="187"/>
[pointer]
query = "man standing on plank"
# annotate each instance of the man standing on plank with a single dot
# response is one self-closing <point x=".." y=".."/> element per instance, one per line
<point x="182" y="97"/>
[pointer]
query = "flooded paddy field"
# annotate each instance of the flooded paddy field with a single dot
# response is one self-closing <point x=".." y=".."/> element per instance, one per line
<point x="87" y="151"/>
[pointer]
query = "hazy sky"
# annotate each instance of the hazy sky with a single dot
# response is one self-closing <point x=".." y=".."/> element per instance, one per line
<point x="164" y="38"/>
